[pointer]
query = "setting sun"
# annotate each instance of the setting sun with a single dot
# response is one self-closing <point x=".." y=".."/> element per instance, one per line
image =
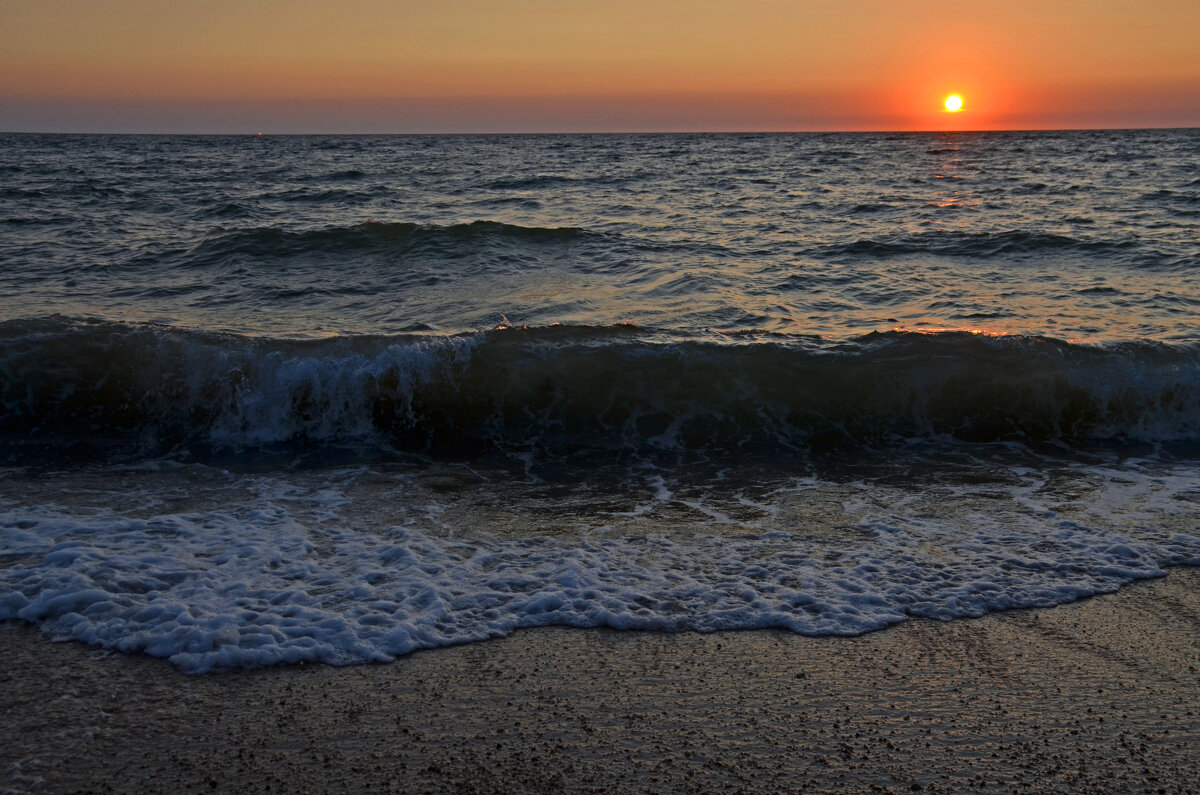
<point x="954" y="103"/>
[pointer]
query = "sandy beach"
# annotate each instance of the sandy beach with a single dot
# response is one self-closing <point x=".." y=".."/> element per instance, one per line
<point x="1100" y="695"/>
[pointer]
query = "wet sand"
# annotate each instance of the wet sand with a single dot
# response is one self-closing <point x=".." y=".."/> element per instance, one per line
<point x="1101" y="695"/>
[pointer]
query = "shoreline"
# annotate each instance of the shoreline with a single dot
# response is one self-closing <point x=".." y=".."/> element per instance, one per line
<point x="1102" y="694"/>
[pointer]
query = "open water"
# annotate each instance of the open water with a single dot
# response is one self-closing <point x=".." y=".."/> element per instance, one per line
<point x="279" y="399"/>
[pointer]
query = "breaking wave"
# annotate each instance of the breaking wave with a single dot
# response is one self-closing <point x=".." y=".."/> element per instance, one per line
<point x="563" y="389"/>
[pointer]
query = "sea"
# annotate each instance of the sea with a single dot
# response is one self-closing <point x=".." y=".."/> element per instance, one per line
<point x="332" y="399"/>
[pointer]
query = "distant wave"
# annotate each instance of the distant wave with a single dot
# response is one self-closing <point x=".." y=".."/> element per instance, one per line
<point x="96" y="386"/>
<point x="973" y="244"/>
<point x="551" y="181"/>
<point x="866" y="208"/>
<point x="350" y="173"/>
<point x="533" y="182"/>
<point x="371" y="236"/>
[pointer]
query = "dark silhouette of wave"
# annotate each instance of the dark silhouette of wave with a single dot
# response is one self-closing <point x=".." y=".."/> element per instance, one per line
<point x="68" y="384"/>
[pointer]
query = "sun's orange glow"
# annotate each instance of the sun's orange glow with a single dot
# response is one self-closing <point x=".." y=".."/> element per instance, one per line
<point x="954" y="103"/>
<point x="623" y="65"/>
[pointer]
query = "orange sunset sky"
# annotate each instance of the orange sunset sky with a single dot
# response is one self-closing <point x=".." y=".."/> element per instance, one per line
<point x="584" y="65"/>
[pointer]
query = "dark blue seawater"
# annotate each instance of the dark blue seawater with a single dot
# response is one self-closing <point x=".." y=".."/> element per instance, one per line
<point x="1070" y="235"/>
<point x="271" y="399"/>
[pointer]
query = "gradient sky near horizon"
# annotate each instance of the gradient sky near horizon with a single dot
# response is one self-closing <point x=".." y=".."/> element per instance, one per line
<point x="577" y="65"/>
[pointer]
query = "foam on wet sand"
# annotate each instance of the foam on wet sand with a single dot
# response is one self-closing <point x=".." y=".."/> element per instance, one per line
<point x="1099" y="695"/>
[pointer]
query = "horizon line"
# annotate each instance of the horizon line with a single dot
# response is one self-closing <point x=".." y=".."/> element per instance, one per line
<point x="264" y="133"/>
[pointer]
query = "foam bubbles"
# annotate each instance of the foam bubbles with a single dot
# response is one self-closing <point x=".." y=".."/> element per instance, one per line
<point x="259" y="584"/>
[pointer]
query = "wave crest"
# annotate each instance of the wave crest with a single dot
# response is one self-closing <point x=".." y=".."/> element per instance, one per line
<point x="559" y="390"/>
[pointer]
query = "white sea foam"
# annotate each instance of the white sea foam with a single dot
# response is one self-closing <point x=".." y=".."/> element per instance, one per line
<point x="266" y="583"/>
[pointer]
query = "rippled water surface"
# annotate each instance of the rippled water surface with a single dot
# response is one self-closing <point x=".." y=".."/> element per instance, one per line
<point x="1072" y="235"/>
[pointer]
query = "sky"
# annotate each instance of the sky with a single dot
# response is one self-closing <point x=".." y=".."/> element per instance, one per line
<point x="394" y="66"/>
